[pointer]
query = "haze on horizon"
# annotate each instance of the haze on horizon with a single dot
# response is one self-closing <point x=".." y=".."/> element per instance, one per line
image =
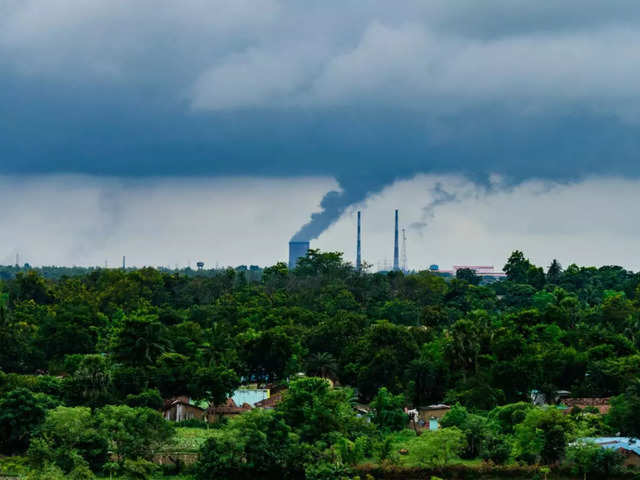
<point x="213" y="130"/>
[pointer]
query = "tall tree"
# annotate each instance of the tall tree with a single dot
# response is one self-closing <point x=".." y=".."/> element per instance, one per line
<point x="141" y="340"/>
<point x="322" y="364"/>
<point x="517" y="267"/>
<point x="554" y="272"/>
<point x="20" y="414"/>
<point x="468" y="275"/>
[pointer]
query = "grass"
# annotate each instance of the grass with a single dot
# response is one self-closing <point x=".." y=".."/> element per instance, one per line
<point x="155" y="477"/>
<point x="403" y="440"/>
<point x="189" y="440"/>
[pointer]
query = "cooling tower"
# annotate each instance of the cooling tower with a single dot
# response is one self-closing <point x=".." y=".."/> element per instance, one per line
<point x="297" y="250"/>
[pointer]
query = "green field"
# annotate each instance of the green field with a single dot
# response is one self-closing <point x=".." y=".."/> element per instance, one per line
<point x="189" y="440"/>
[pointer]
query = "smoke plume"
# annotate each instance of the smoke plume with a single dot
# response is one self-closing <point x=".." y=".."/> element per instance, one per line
<point x="440" y="197"/>
<point x="334" y="203"/>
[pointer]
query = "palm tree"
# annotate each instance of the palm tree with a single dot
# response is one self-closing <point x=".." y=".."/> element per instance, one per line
<point x="465" y="345"/>
<point x="322" y="364"/>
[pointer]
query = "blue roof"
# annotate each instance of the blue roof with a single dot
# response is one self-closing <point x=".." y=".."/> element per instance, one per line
<point x="250" y="396"/>
<point x="628" y="443"/>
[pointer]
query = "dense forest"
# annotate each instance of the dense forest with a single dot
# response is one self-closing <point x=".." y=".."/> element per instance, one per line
<point x="110" y="344"/>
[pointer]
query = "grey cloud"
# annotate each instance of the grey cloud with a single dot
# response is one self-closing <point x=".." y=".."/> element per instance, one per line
<point x="282" y="87"/>
<point x="255" y="53"/>
<point x="411" y="67"/>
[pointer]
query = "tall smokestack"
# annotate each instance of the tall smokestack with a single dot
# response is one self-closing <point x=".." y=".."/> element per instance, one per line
<point x="358" y="258"/>
<point x="297" y="250"/>
<point x="124" y="263"/>
<point x="396" y="265"/>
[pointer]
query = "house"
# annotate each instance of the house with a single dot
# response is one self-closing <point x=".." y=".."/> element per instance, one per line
<point x="433" y="411"/>
<point x="228" y="410"/>
<point x="362" y="410"/>
<point x="271" y="402"/>
<point x="250" y="395"/>
<point x="540" y="399"/>
<point x="182" y="408"/>
<point x="602" y="404"/>
<point x="629" y="447"/>
<point x="431" y="415"/>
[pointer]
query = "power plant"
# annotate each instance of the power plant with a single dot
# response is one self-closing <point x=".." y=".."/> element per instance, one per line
<point x="297" y="250"/>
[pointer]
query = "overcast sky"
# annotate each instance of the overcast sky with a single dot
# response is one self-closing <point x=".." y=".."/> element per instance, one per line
<point x="174" y="131"/>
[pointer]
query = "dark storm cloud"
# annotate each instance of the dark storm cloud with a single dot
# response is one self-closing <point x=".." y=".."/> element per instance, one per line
<point x="361" y="91"/>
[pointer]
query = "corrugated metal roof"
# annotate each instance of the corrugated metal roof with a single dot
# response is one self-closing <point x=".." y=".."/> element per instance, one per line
<point x="615" y="443"/>
<point x="250" y="395"/>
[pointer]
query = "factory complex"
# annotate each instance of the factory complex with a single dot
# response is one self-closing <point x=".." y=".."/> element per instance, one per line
<point x="298" y="249"/>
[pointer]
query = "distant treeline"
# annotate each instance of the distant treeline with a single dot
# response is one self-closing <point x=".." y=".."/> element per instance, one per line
<point x="52" y="272"/>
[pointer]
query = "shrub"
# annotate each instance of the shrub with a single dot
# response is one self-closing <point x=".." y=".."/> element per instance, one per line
<point x="542" y="436"/>
<point x="48" y="472"/>
<point x="133" y="432"/>
<point x="584" y="458"/>
<point x="440" y="447"/>
<point x="69" y="436"/>
<point x="138" y="469"/>
<point x="348" y="452"/>
<point x="20" y="415"/>
<point x="195" y="423"/>
<point x="13" y="466"/>
<point x="387" y="411"/>
<point x="384" y="451"/>
<point x="149" y="398"/>
<point x="313" y="409"/>
<point x="326" y="471"/>
<point x="81" y="472"/>
<point x="257" y="445"/>
<point x="495" y="448"/>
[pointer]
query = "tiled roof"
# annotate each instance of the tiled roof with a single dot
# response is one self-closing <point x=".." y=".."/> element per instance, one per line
<point x="270" y="402"/>
<point x="601" y="403"/>
<point x="170" y="402"/>
<point x="229" y="407"/>
<point x="439" y="406"/>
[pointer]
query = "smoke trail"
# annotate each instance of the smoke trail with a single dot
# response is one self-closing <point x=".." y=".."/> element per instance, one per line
<point x="334" y="203"/>
<point x="440" y="197"/>
<point x="355" y="190"/>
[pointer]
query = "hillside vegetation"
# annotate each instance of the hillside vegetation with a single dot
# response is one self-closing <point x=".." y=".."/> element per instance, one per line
<point x="97" y="352"/>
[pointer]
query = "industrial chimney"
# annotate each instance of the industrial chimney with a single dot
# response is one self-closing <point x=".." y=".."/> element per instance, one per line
<point x="358" y="258"/>
<point x="297" y="250"/>
<point x="396" y="265"/>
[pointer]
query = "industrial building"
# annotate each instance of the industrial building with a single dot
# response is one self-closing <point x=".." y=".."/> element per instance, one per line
<point x="485" y="271"/>
<point x="488" y="273"/>
<point x="296" y="251"/>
